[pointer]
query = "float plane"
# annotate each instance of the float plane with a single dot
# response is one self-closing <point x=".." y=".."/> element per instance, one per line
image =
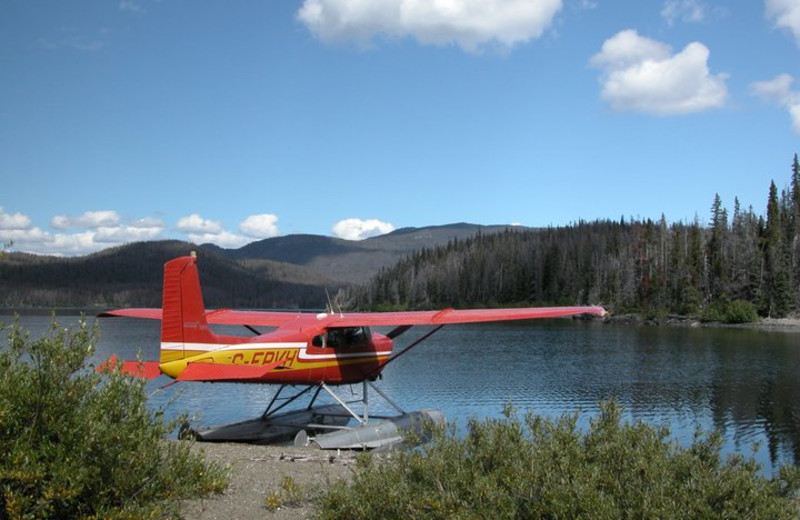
<point x="309" y="352"/>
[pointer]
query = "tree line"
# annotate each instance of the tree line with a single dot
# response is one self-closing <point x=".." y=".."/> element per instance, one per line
<point x="737" y="264"/>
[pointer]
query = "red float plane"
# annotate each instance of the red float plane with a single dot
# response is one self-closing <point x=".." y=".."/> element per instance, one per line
<point x="313" y="351"/>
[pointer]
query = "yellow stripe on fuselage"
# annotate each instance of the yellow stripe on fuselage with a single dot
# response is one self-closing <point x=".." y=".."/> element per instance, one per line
<point x="176" y="356"/>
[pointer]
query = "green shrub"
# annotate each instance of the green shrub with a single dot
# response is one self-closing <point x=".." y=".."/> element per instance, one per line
<point x="545" y="469"/>
<point x="737" y="311"/>
<point x="77" y="444"/>
<point x="741" y="311"/>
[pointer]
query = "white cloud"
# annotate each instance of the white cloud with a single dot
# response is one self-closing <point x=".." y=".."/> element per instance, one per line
<point x="786" y="15"/>
<point x="470" y="24"/>
<point x="96" y="230"/>
<point x="89" y="220"/>
<point x="203" y="231"/>
<point x="224" y="239"/>
<point x="100" y="229"/>
<point x="260" y="226"/>
<point x="125" y="234"/>
<point x="642" y="75"/>
<point x="14" y="221"/>
<point x="148" y="222"/>
<point x="357" y="229"/>
<point x="683" y="10"/>
<point x="196" y="224"/>
<point x="779" y="91"/>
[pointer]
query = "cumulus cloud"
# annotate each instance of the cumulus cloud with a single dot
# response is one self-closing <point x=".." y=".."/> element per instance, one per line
<point x="357" y="229"/>
<point x="779" y="91"/>
<point x="683" y="10"/>
<point x="126" y="233"/>
<point x="89" y="220"/>
<point x="203" y="231"/>
<point x="470" y="24"/>
<point x="195" y="224"/>
<point x="14" y="220"/>
<point x="96" y="230"/>
<point x="260" y="226"/>
<point x="224" y="239"/>
<point x="786" y="15"/>
<point x="643" y="75"/>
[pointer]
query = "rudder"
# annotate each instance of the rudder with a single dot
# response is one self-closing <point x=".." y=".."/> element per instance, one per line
<point x="183" y="314"/>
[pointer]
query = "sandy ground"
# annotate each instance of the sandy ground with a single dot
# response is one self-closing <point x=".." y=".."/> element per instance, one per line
<point x="258" y="472"/>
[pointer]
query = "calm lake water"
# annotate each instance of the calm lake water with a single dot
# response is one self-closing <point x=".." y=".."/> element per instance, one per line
<point x="746" y="383"/>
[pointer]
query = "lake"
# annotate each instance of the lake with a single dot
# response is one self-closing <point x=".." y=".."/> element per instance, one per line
<point x="746" y="383"/>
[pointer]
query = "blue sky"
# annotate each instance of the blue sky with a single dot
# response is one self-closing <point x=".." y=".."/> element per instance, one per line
<point x="231" y="122"/>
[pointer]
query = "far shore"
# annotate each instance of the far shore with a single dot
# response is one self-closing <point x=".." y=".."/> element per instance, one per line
<point x="791" y="324"/>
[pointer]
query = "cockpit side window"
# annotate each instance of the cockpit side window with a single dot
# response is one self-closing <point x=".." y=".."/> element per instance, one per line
<point x="347" y="337"/>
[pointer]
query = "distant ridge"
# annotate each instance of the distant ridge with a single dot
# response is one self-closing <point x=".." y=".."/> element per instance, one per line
<point x="131" y="276"/>
<point x="350" y="261"/>
<point x="283" y="272"/>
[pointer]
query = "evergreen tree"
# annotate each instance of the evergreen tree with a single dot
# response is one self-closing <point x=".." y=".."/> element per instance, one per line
<point x="718" y="268"/>
<point x="777" y="290"/>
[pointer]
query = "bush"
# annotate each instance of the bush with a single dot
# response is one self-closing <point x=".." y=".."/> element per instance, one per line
<point x="77" y="444"/>
<point x="737" y="311"/>
<point x="536" y="468"/>
<point x="741" y="311"/>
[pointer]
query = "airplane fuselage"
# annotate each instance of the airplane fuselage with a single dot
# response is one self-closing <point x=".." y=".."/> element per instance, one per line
<point x="297" y="358"/>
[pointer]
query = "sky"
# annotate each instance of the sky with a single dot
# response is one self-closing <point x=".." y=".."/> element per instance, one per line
<point x="230" y="122"/>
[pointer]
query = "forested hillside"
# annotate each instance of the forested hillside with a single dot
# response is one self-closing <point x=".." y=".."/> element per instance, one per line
<point x="130" y="276"/>
<point x="738" y="262"/>
<point x="281" y="272"/>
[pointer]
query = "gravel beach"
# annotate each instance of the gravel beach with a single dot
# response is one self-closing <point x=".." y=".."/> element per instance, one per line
<point x="257" y="472"/>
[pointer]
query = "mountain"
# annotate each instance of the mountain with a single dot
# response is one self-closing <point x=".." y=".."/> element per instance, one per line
<point x="283" y="272"/>
<point x="350" y="261"/>
<point x="130" y="275"/>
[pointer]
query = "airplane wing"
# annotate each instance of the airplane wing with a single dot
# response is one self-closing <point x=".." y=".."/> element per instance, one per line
<point x="152" y="314"/>
<point x="451" y="316"/>
<point x="219" y="316"/>
<point x="370" y="319"/>
<point x="393" y="319"/>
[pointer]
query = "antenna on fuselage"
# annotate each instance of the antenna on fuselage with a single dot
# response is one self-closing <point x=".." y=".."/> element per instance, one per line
<point x="330" y="303"/>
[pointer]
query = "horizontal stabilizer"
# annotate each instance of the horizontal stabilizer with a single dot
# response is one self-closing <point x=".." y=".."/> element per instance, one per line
<point x="143" y="369"/>
<point x="225" y="372"/>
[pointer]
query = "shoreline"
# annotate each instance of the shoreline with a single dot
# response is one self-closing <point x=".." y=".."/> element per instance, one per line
<point x="769" y="324"/>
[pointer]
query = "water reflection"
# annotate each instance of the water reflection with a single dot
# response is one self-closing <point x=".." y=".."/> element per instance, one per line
<point x="742" y="382"/>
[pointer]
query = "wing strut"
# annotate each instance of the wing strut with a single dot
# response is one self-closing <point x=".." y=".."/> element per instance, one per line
<point x="398" y="330"/>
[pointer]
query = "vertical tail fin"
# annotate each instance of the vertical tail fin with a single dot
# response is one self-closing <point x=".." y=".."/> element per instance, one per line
<point x="183" y="315"/>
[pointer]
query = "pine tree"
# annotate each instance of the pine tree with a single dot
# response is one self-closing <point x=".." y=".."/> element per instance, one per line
<point x="718" y="267"/>
<point x="777" y="290"/>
